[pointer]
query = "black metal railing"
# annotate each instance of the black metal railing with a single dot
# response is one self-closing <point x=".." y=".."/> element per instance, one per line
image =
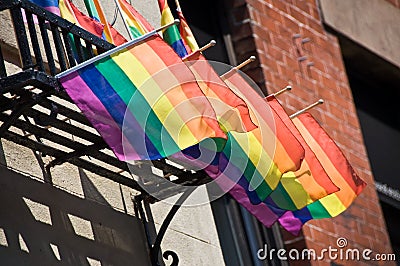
<point x="36" y="114"/>
<point x="47" y="42"/>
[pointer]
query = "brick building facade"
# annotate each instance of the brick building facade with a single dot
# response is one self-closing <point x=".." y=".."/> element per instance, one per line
<point x="294" y="47"/>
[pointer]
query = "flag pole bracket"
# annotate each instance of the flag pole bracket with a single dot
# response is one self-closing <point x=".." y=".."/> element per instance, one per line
<point x="155" y="247"/>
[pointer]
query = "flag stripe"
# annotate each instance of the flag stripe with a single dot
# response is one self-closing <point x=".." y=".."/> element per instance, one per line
<point x="49" y="5"/>
<point x="327" y="163"/>
<point x="310" y="182"/>
<point x="117" y="108"/>
<point x="326" y="143"/>
<point x="71" y="13"/>
<point x="171" y="34"/>
<point x="45" y="3"/>
<point x="120" y="78"/>
<point x="136" y="23"/>
<point x="107" y="125"/>
<point x="237" y="191"/>
<point x="288" y="151"/>
<point x="186" y="33"/>
<point x="232" y="111"/>
<point x="95" y="11"/>
<point x="338" y="169"/>
<point x="119" y="86"/>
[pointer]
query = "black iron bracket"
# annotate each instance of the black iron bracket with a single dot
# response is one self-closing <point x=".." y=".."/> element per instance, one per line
<point x="155" y="248"/>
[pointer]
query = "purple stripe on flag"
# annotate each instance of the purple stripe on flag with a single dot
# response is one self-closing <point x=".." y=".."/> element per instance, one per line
<point x="264" y="214"/>
<point x="261" y="211"/>
<point x="291" y="223"/>
<point x="98" y="116"/>
<point x="53" y="9"/>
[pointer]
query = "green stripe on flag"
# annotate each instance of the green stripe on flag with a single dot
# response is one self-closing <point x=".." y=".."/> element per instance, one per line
<point x="124" y="87"/>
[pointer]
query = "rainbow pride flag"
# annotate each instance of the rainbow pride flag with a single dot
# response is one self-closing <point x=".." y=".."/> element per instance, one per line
<point x="171" y="34"/>
<point x="253" y="161"/>
<point x="232" y="111"/>
<point x="96" y="12"/>
<point x="49" y="5"/>
<point x="109" y="33"/>
<point x="186" y="33"/>
<point x="137" y="24"/>
<point x="306" y="185"/>
<point x="338" y="169"/>
<point x="71" y="13"/>
<point x="139" y="113"/>
<point x="271" y="148"/>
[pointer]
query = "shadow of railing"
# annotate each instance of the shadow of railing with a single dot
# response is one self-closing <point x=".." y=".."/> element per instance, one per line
<point x="43" y="225"/>
<point x="36" y="113"/>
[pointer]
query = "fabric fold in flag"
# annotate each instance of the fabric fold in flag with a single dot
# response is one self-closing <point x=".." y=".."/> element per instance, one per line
<point x="171" y="35"/>
<point x="71" y="13"/>
<point x="109" y="33"/>
<point x="253" y="160"/>
<point x="306" y="185"/>
<point x="143" y="101"/>
<point x="137" y="24"/>
<point x="232" y="111"/>
<point x="338" y="169"/>
<point x="186" y="33"/>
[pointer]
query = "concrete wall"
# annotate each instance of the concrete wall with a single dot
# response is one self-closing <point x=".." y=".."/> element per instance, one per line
<point x="83" y="218"/>
<point x="374" y="24"/>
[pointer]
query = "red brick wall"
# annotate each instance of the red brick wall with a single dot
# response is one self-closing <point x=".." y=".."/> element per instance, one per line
<point x="273" y="30"/>
<point x="396" y="3"/>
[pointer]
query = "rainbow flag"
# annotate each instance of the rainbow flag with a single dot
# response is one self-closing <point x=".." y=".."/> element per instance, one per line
<point x="232" y="111"/>
<point x="109" y="33"/>
<point x="187" y="36"/>
<point x="141" y="114"/>
<point x="306" y="185"/>
<point x="338" y="169"/>
<point x="71" y="13"/>
<point x="171" y="34"/>
<point x="252" y="161"/>
<point x="271" y="148"/>
<point x="49" y="5"/>
<point x="96" y="12"/>
<point x="136" y="23"/>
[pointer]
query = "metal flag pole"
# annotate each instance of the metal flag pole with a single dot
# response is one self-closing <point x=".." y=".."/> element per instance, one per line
<point x="287" y="88"/>
<point x="178" y="6"/>
<point x="201" y="49"/>
<point x="208" y="45"/>
<point x="116" y="49"/>
<point x="320" y="101"/>
<point x="123" y="19"/>
<point x="246" y="62"/>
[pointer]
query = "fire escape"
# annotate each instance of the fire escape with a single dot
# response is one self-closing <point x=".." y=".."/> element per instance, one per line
<point x="36" y="113"/>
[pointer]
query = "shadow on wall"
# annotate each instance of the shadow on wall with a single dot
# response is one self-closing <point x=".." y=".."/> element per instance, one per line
<point x="43" y="225"/>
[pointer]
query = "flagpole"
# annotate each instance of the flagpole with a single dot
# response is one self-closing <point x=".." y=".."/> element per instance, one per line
<point x="320" y="101"/>
<point x="178" y="6"/>
<point x="245" y="63"/>
<point x="115" y="49"/>
<point x="201" y="49"/>
<point x="123" y="19"/>
<point x="205" y="47"/>
<point x="287" y="88"/>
